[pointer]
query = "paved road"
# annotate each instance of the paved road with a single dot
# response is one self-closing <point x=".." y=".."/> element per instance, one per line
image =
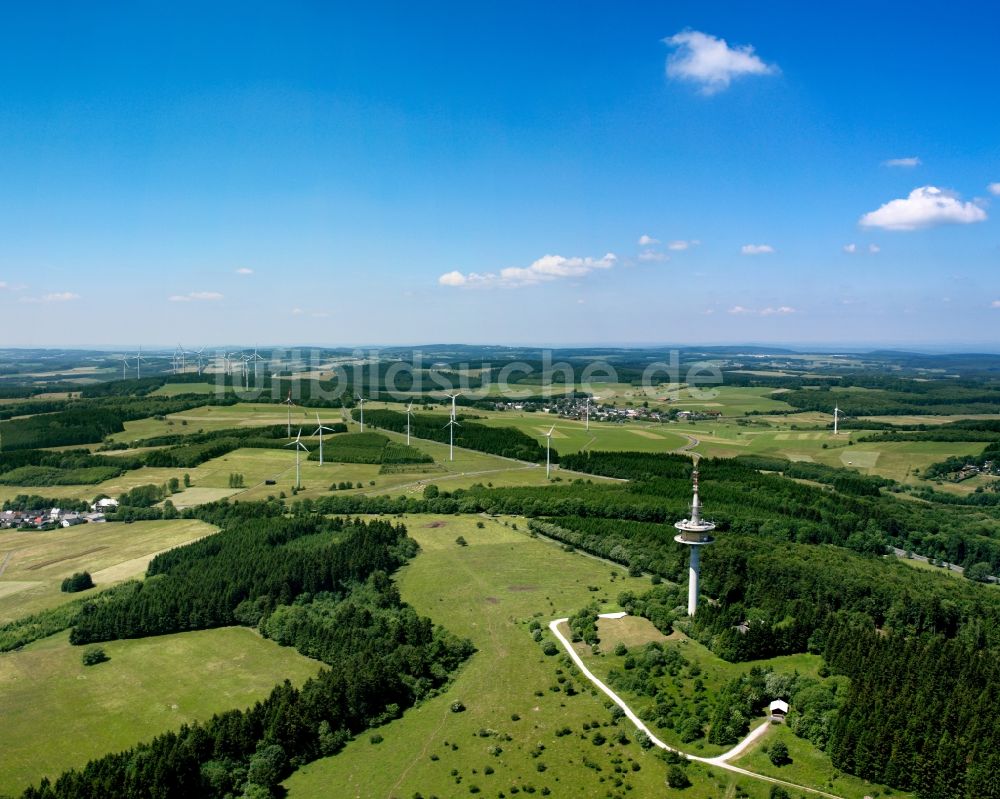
<point x="720" y="761"/>
<point x="901" y="553"/>
<point x="692" y="443"/>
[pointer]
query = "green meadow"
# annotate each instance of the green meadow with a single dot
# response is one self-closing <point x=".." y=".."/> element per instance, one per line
<point x="523" y="725"/>
<point x="59" y="713"/>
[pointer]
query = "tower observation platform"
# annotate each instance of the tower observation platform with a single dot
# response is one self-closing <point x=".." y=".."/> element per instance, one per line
<point x="695" y="533"/>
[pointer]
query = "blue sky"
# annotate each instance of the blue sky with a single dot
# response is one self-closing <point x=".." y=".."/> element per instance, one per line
<point x="303" y="173"/>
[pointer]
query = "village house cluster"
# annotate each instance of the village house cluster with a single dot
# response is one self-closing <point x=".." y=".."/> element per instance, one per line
<point x="57" y="517"/>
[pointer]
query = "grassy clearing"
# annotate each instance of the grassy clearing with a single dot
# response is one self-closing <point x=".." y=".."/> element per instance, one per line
<point x="39" y="561"/>
<point x="59" y="713"/>
<point x="175" y="389"/>
<point x="488" y="591"/>
<point x="808" y="766"/>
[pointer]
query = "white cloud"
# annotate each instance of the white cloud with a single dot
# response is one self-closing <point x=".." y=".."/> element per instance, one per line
<point x="244" y="270"/>
<point x="912" y="161"/>
<point x="710" y="62"/>
<point x="995" y="304"/>
<point x="756" y="249"/>
<point x="781" y="310"/>
<point x="645" y="241"/>
<point x="3" y="285"/>
<point x="924" y="207"/>
<point x="453" y="278"/>
<point x="680" y="244"/>
<point x="297" y="312"/>
<point x="58" y="296"/>
<point x="874" y="248"/>
<point x="851" y="248"/>
<point x="196" y="296"/>
<point x="581" y="302"/>
<point x="994" y="188"/>
<point x="545" y="269"/>
<point x="652" y="255"/>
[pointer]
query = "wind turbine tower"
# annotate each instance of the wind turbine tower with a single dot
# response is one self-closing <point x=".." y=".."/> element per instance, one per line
<point x="299" y="447"/>
<point x="695" y="533"/>
<point x="138" y="360"/>
<point x="361" y="404"/>
<point x="289" y="403"/>
<point x="256" y="359"/>
<point x="836" y="418"/>
<point x="452" y="422"/>
<point x="409" y="413"/>
<point x="320" y="427"/>
<point x="124" y="365"/>
<point x="548" y="449"/>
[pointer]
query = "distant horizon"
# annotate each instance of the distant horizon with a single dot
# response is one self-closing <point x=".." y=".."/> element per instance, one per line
<point x="827" y="348"/>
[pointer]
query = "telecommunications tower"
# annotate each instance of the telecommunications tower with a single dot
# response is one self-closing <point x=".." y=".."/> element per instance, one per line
<point x="695" y="533"/>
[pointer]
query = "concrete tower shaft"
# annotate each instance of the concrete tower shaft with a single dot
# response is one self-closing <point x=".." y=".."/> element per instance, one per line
<point x="694" y="532"/>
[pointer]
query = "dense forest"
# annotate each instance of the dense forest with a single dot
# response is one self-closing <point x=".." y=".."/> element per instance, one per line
<point x="369" y="448"/>
<point x="259" y="560"/>
<point x="920" y="713"/>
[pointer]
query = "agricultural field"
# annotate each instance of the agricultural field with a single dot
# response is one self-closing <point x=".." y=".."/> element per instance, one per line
<point x="515" y="697"/>
<point x="33" y="564"/>
<point x="175" y="389"/>
<point x="59" y="713"/>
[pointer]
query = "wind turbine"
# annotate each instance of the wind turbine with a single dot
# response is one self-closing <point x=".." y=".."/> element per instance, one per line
<point x="589" y="398"/>
<point x="361" y="402"/>
<point x="255" y="358"/>
<point x="320" y="427"/>
<point x="124" y="360"/>
<point x="548" y="448"/>
<point x="138" y="360"/>
<point x="299" y="447"/>
<point x="199" y="354"/>
<point x="289" y="403"/>
<point x="409" y="413"/>
<point x="836" y="418"/>
<point x="451" y="425"/>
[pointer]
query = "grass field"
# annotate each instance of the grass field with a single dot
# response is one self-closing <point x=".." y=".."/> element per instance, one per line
<point x="174" y="389"/>
<point x="488" y="591"/>
<point x="35" y="563"/>
<point x="58" y="713"/>
<point x="808" y="766"/>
